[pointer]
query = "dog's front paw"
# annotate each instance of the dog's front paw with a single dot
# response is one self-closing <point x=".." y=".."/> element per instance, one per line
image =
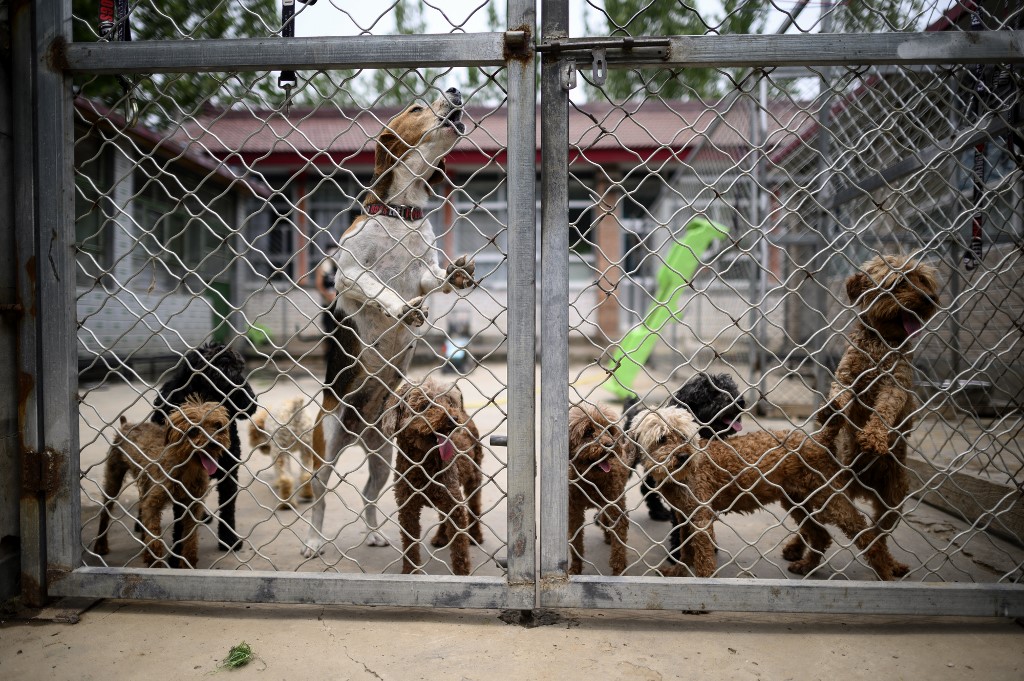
<point x="413" y="313"/>
<point x="312" y="547"/>
<point x="375" y="538"/>
<point x="460" y="273"/>
<point x="872" y="441"/>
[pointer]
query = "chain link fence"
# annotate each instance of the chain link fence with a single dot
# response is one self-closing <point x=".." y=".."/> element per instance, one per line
<point x="249" y="206"/>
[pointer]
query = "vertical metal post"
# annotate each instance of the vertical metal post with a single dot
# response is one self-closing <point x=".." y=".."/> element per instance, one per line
<point x="819" y="263"/>
<point x="522" y="307"/>
<point x="554" y="376"/>
<point x="47" y="358"/>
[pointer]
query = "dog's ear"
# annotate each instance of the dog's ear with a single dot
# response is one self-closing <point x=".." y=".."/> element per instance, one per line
<point x="389" y="149"/>
<point x="856" y="285"/>
<point x="124" y="421"/>
<point x="440" y="175"/>
<point x="395" y="412"/>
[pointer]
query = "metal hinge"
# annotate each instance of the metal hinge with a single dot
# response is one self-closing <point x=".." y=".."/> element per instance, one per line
<point x="40" y="471"/>
<point x="602" y="53"/>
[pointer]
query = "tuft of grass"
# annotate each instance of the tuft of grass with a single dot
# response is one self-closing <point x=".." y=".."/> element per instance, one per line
<point x="238" y="656"/>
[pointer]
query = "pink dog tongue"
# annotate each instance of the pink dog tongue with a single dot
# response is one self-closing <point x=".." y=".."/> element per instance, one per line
<point x="910" y="324"/>
<point x="604" y="465"/>
<point x="737" y="426"/>
<point x="446" y="448"/>
<point x="208" y="463"/>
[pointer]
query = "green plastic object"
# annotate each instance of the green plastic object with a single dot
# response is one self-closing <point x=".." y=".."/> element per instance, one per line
<point x="682" y="261"/>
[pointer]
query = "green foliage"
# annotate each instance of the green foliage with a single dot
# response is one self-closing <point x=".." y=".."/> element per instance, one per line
<point x="170" y="97"/>
<point x="651" y="18"/>
<point x="238" y="656"/>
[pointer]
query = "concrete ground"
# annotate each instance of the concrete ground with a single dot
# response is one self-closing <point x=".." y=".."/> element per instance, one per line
<point x="131" y="640"/>
<point x="145" y="640"/>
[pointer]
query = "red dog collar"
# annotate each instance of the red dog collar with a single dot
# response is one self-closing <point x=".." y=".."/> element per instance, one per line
<point x="407" y="213"/>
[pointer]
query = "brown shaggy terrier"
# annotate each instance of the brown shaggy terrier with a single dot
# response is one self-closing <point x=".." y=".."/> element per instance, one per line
<point x="438" y="464"/>
<point x="870" y="411"/>
<point x="702" y="479"/>
<point x="170" y="463"/>
<point x="600" y="462"/>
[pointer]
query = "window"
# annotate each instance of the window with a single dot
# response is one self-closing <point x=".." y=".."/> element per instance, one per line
<point x="332" y="205"/>
<point x="183" y="222"/>
<point x="93" y="210"/>
<point x="479" y="228"/>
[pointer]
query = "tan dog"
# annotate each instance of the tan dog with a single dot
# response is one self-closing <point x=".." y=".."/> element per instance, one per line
<point x="599" y="466"/>
<point x="439" y="459"/>
<point x="387" y="265"/>
<point x="870" y="411"/>
<point x="283" y="435"/>
<point x="170" y="462"/>
<point x="702" y="479"/>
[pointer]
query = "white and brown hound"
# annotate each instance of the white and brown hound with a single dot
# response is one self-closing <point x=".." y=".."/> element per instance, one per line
<point x="387" y="265"/>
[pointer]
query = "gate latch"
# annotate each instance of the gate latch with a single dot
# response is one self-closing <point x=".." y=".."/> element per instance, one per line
<point x="601" y="53"/>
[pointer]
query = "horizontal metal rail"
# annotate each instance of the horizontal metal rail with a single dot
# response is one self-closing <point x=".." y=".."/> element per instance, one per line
<point x="821" y="49"/>
<point x="294" y="587"/>
<point x="491" y="49"/>
<point x="261" y="54"/>
<point x="781" y="595"/>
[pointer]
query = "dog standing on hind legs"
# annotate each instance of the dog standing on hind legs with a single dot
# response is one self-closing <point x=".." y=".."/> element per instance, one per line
<point x="387" y="265"/>
<point x="172" y="464"/>
<point x="439" y="460"/>
<point x="870" y="410"/>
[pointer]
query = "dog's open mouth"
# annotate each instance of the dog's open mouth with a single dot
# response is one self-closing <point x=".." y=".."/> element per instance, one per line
<point x="445" y="448"/>
<point x="605" y="465"/>
<point x="209" y="465"/>
<point x="454" y="120"/>
<point x="911" y="324"/>
<point x="736" y="426"/>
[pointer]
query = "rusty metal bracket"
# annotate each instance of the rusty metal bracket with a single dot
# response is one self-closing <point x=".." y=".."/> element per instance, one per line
<point x="41" y="471"/>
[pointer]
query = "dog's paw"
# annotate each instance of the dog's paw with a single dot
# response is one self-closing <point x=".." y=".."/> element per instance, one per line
<point x="460" y="273"/>
<point x="413" y="313"/>
<point x="312" y="547"/>
<point x="804" y="566"/>
<point x="873" y="442"/>
<point x="374" y="538"/>
<point x="668" y="569"/>
<point x="899" y="569"/>
<point x="794" y="549"/>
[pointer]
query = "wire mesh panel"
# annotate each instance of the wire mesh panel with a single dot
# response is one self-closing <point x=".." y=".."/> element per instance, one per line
<point x="780" y="309"/>
<point x="293" y="295"/>
<point x="768" y="267"/>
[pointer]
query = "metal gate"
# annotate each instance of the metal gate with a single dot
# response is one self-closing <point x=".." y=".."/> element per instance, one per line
<point x="701" y="204"/>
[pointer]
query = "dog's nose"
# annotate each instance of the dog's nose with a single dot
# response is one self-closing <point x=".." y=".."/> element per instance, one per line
<point x="454" y="96"/>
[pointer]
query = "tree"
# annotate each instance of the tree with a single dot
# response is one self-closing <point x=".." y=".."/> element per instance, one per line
<point x="169" y="97"/>
<point x="652" y="18"/>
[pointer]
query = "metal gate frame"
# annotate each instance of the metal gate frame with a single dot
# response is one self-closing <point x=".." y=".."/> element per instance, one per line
<point x="44" y="58"/>
<point x="50" y="507"/>
<point x="561" y="55"/>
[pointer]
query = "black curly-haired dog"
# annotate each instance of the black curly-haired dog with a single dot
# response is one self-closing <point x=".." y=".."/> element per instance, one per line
<point x="215" y="373"/>
<point x="716" y="404"/>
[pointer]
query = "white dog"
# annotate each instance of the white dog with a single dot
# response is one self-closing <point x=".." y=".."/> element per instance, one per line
<point x="387" y="265"/>
<point x="286" y="434"/>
